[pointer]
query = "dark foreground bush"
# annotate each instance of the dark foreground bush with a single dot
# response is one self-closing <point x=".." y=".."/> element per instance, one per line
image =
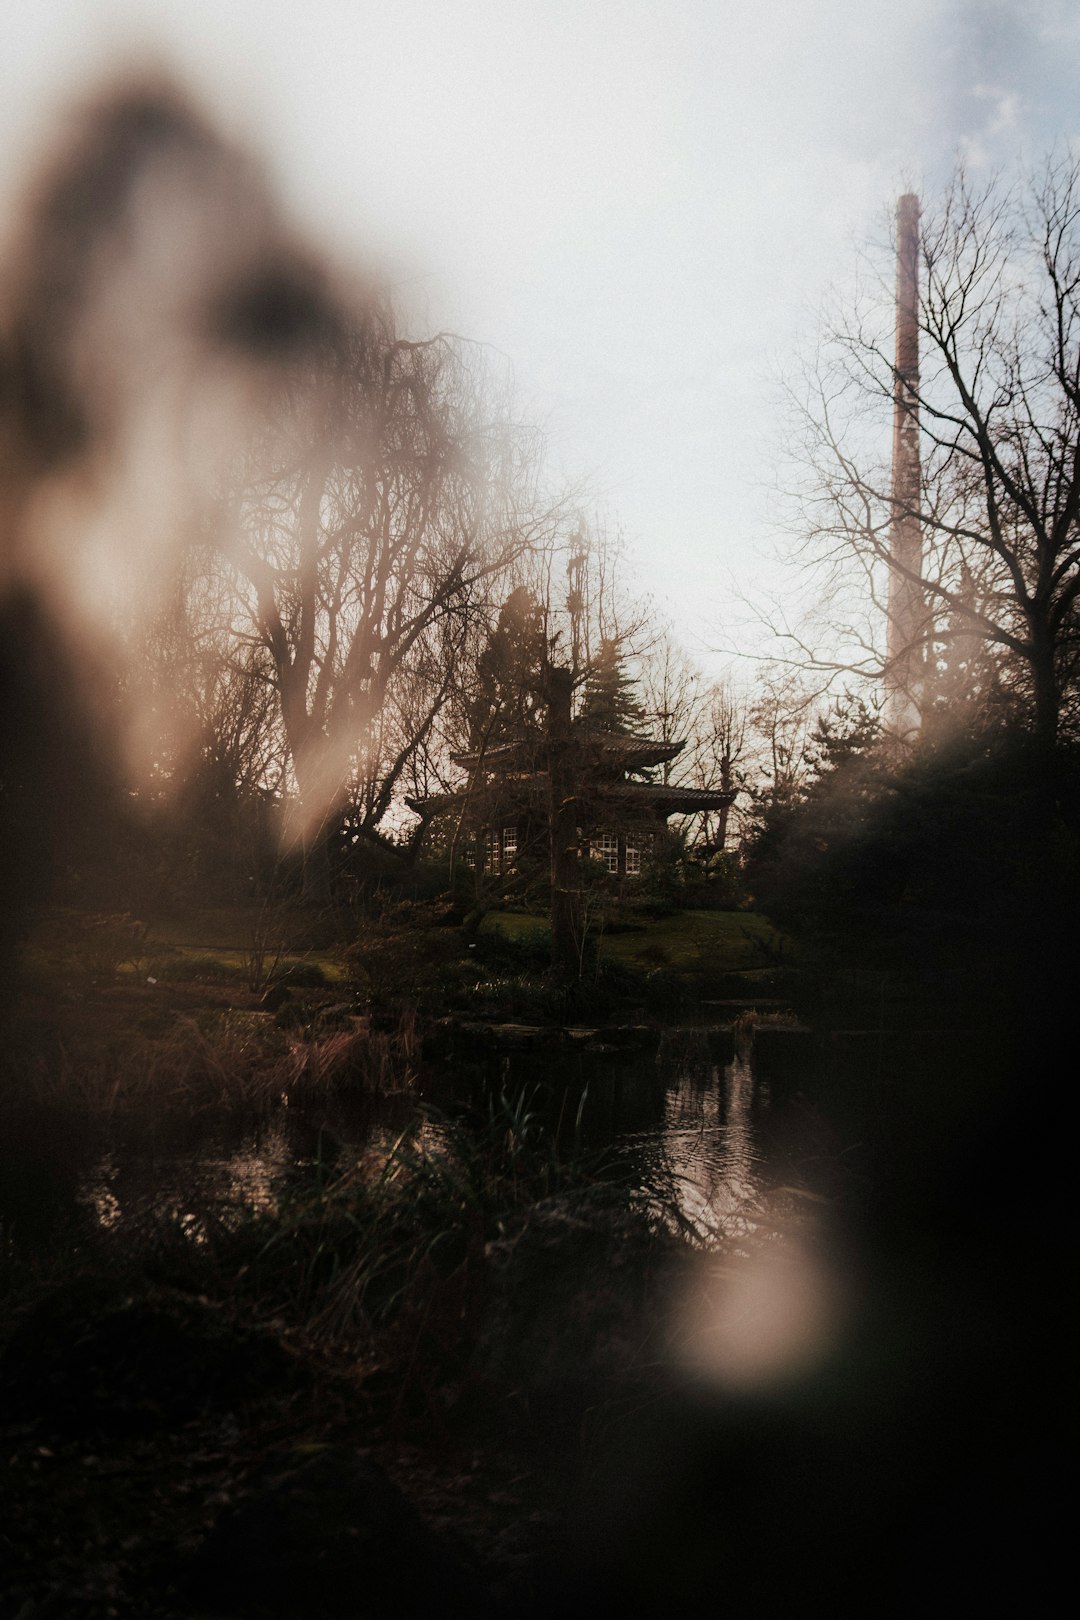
<point x="958" y="870"/>
<point x="106" y="1355"/>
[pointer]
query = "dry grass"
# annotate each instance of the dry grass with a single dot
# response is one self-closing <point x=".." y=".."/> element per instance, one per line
<point x="379" y="1062"/>
<point x="749" y="1022"/>
<point x="224" y="1060"/>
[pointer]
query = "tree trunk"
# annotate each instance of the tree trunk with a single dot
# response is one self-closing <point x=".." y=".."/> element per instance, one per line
<point x="726" y="777"/>
<point x="1045" y="687"/>
<point x="562" y="822"/>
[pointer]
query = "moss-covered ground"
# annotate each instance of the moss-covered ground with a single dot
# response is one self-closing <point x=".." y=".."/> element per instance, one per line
<point x="722" y="941"/>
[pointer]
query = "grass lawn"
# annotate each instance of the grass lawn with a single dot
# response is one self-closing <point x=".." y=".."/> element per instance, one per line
<point x="721" y="941"/>
<point x="215" y="944"/>
<point x="235" y="964"/>
<point x="215" y="941"/>
<point x="228" y="933"/>
<point x="233" y="928"/>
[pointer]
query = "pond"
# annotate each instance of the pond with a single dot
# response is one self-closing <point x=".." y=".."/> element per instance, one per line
<point x="720" y="1141"/>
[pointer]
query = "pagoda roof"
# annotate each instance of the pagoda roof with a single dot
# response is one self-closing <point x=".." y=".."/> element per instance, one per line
<point x="615" y="748"/>
<point x="667" y="799"/>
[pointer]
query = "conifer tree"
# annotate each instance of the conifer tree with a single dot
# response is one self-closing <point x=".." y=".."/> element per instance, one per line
<point x="609" y="701"/>
<point x="510" y="673"/>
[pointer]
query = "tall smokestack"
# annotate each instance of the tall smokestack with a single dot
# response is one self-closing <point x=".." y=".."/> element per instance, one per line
<point x="905" y="652"/>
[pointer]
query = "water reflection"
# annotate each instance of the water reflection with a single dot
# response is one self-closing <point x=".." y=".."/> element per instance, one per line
<point x="708" y="1141"/>
<point x="229" y="1173"/>
<point x="686" y="1126"/>
<point x="191" y="1193"/>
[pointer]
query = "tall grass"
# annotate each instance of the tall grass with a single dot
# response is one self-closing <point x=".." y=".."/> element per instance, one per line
<point x="228" y="1060"/>
<point x="360" y="1248"/>
<point x="430" y="1266"/>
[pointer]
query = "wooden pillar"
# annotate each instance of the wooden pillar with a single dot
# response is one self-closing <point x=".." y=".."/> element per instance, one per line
<point x="562" y="823"/>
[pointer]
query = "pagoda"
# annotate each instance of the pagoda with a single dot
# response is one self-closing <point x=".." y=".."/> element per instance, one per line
<point x="505" y="814"/>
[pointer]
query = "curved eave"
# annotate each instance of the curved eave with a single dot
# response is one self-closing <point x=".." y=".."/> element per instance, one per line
<point x="622" y="796"/>
<point x="437" y="805"/>
<point x="668" y="801"/>
<point x="611" y="748"/>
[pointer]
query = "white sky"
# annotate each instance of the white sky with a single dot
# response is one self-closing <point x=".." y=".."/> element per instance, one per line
<point x="640" y="202"/>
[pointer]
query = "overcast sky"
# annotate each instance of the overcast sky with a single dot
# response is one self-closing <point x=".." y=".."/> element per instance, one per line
<point x="640" y="202"/>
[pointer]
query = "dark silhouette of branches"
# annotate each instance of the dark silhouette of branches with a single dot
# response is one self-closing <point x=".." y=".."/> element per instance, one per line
<point x="999" y="409"/>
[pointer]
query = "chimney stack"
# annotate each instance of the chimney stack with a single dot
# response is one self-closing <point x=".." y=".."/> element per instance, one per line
<point x="905" y="648"/>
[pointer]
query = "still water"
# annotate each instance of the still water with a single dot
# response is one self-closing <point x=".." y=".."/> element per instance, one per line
<point x="720" y="1141"/>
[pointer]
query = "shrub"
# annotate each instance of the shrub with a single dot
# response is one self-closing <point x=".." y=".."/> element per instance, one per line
<point x="179" y="967"/>
<point x="396" y="964"/>
<point x="502" y="952"/>
<point x="297" y="975"/>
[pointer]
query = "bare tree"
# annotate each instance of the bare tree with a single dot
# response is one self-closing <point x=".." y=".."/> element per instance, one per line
<point x="720" y="749"/>
<point x="781" y="721"/>
<point x="206" y="697"/>
<point x="365" y="548"/>
<point x="998" y="403"/>
<point x="671" y="695"/>
<point x="711" y="717"/>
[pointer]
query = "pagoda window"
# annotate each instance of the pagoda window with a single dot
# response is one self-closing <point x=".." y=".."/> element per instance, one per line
<point x="605" y="847"/>
<point x="634" y="851"/>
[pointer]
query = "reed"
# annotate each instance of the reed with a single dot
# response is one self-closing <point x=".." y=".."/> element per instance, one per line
<point x="225" y="1060"/>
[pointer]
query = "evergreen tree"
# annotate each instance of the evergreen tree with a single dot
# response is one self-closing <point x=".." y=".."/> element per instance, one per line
<point x="509" y="700"/>
<point x="812" y="858"/>
<point x="609" y="701"/>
